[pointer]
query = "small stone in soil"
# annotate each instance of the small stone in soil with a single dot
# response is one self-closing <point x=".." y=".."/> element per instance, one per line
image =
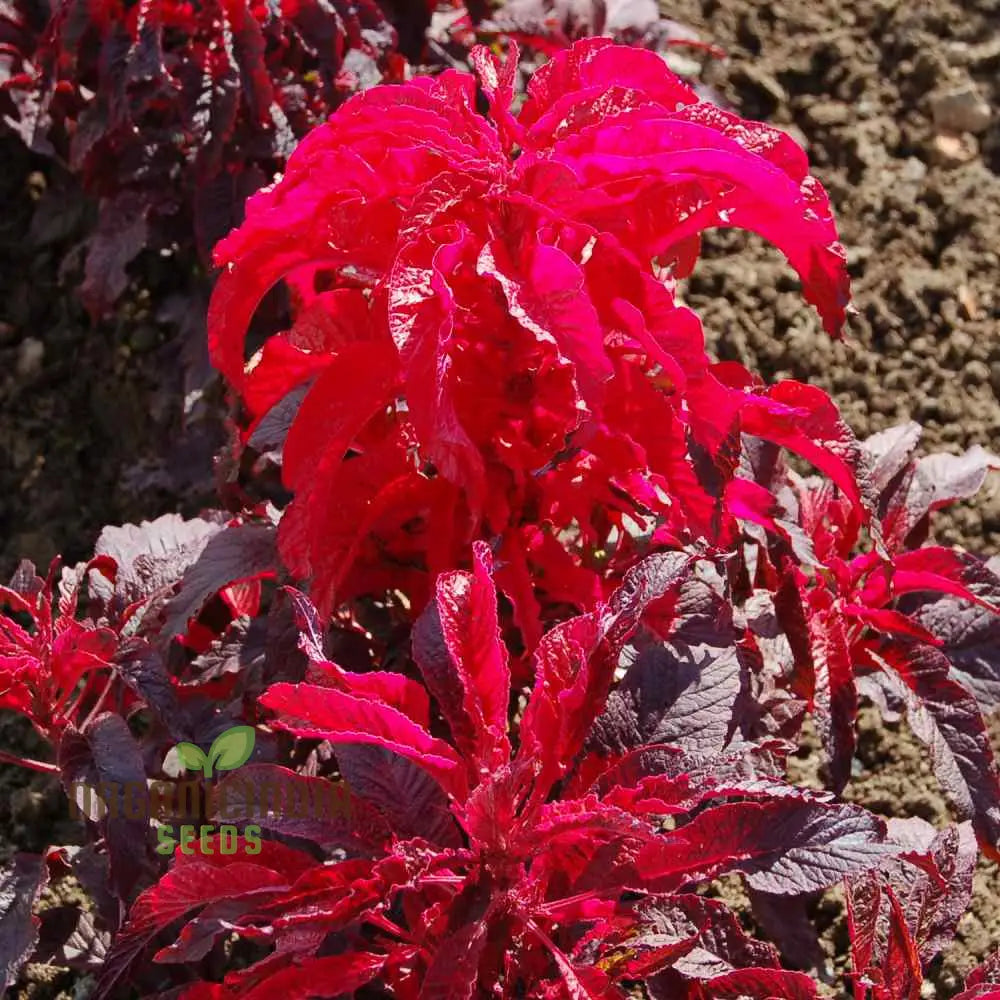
<point x="827" y="113"/>
<point x="953" y="150"/>
<point x="961" y="109"/>
<point x="976" y="373"/>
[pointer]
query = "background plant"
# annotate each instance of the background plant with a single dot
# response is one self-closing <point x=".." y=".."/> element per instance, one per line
<point x="172" y="113"/>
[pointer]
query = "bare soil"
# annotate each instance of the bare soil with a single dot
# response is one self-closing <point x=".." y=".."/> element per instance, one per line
<point x="898" y="104"/>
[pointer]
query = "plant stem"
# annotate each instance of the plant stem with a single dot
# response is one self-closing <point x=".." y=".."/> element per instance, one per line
<point x="30" y="762"/>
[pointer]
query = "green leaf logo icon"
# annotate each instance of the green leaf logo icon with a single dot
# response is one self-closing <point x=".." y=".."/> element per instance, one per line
<point x="191" y="756"/>
<point x="229" y="751"/>
<point x="231" y="748"/>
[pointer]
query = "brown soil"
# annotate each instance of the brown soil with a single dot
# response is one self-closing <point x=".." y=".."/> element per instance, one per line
<point x="857" y="81"/>
<point x="87" y="421"/>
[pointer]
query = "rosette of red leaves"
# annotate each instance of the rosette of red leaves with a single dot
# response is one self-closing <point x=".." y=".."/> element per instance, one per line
<point x="488" y="337"/>
<point x="173" y="112"/>
<point x="52" y="667"/>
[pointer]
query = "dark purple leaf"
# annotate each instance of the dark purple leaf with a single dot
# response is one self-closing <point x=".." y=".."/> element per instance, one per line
<point x="103" y="767"/>
<point x="240" y="552"/>
<point x="410" y="799"/>
<point x="933" y="880"/>
<point x="785" y="920"/>
<point x="785" y="846"/>
<point x="890" y="451"/>
<point x="142" y="667"/>
<point x="676" y="694"/>
<point x="931" y="482"/>
<point x="948" y="720"/>
<point x="970" y="637"/>
<point x="718" y="942"/>
<point x="21" y="881"/>
<point x="151" y="556"/>
<point x="122" y="232"/>
<point x="69" y="936"/>
<point x="293" y="805"/>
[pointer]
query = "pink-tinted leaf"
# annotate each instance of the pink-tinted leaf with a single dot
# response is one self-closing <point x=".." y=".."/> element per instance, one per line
<point x="422" y="320"/>
<point x="324" y="713"/>
<point x="354" y="387"/>
<point x="549" y="298"/>
<point x="835" y="699"/>
<point x="497" y="80"/>
<point x="185" y="888"/>
<point x="932" y="568"/>
<point x="758" y="195"/>
<point x="394" y="690"/>
<point x="457" y="646"/>
<point x="988" y="992"/>
<point x="807" y="422"/>
<point x="575" y="663"/>
<point x="335" y="975"/>
<point x="884" y="952"/>
<point x="454" y="971"/>
<point x="890" y="622"/>
<point x="586" y="67"/>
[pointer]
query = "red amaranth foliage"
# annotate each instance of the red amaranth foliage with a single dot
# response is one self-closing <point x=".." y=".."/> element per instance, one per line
<point x="487" y="318"/>
<point x="524" y="859"/>
<point x="488" y="342"/>
<point x="173" y="112"/>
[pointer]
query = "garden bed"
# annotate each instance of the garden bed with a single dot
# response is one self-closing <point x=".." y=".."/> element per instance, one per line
<point x="92" y="412"/>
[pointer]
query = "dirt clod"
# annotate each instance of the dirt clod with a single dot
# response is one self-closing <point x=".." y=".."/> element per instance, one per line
<point x="961" y="109"/>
